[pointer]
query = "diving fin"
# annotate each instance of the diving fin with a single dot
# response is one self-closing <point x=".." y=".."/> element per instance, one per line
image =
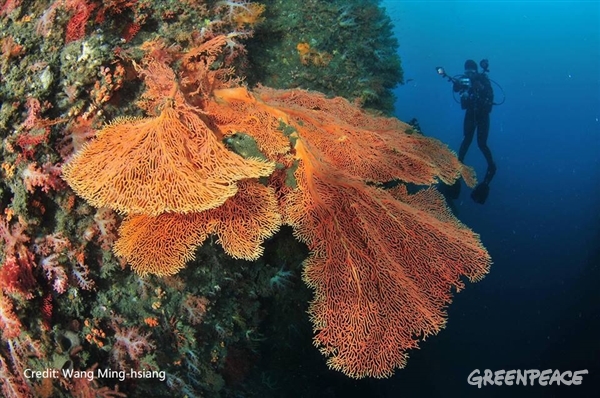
<point x="480" y="193"/>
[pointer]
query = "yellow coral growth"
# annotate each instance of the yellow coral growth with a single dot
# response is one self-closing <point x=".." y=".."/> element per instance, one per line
<point x="169" y="163"/>
<point x="162" y="245"/>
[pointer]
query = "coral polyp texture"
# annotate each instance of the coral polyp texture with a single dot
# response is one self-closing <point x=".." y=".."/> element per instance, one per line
<point x="130" y="142"/>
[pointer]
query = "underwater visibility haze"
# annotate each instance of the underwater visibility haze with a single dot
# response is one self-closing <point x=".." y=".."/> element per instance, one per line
<point x="538" y="307"/>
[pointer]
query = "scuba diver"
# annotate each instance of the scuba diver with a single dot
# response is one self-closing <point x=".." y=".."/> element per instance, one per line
<point x="476" y="98"/>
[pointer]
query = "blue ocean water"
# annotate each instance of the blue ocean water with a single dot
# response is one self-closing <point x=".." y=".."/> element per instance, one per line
<point x="539" y="307"/>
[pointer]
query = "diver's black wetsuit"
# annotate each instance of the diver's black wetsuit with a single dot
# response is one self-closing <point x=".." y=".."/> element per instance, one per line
<point x="478" y="119"/>
<point x="477" y="100"/>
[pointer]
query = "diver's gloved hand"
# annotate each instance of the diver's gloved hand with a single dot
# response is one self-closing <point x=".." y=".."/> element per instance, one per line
<point x="480" y="193"/>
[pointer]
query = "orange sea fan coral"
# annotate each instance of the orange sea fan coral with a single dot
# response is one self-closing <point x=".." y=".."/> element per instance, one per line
<point x="372" y="147"/>
<point x="382" y="269"/>
<point x="246" y="220"/>
<point x="236" y="110"/>
<point x="162" y="245"/>
<point x="159" y="245"/>
<point x="161" y="85"/>
<point x="169" y="163"/>
<point x="194" y="82"/>
<point x="198" y="76"/>
<point x="342" y="109"/>
<point x="383" y="263"/>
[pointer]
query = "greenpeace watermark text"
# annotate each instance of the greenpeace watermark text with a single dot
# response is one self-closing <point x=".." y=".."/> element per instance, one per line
<point x="529" y="377"/>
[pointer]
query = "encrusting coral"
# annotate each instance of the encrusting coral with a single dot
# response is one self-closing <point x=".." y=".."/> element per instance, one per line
<point x="383" y="263"/>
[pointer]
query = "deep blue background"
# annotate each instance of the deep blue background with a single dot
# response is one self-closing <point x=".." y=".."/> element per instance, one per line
<point x="539" y="306"/>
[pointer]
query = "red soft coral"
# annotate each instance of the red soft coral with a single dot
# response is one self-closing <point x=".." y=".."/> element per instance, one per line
<point x="105" y="224"/>
<point x="55" y="273"/>
<point x="76" y="25"/>
<point x="46" y="177"/>
<point x="16" y="274"/>
<point x="194" y="308"/>
<point x="9" y="323"/>
<point x="81" y="272"/>
<point x="14" y="236"/>
<point x="17" y="352"/>
<point x="75" y="135"/>
<point x="50" y="248"/>
<point x="129" y="346"/>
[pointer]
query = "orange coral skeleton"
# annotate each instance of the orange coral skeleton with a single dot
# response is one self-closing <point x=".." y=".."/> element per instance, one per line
<point x="383" y="263"/>
<point x="169" y="163"/>
<point x="380" y="266"/>
<point x="373" y="148"/>
<point x="382" y="269"/>
<point x="162" y="245"/>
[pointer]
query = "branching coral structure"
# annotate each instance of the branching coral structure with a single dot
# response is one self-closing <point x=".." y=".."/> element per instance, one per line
<point x="383" y="263"/>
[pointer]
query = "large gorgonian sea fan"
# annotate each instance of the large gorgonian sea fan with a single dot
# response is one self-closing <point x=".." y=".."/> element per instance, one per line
<point x="383" y="263"/>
